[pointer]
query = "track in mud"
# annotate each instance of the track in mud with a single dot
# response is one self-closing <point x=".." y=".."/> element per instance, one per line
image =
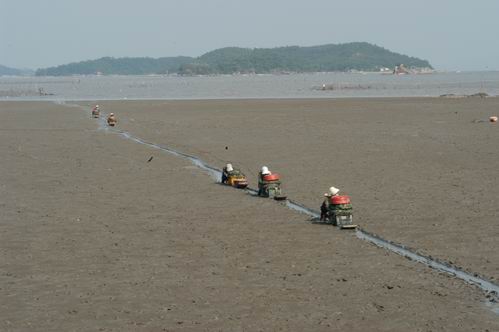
<point x="491" y="289"/>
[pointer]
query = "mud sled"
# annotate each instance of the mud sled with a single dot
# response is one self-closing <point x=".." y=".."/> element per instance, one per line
<point x="111" y="120"/>
<point x="270" y="186"/>
<point x="340" y="212"/>
<point x="237" y="179"/>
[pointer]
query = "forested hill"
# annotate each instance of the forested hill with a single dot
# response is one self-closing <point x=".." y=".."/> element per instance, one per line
<point x="118" y="66"/>
<point x="334" y="57"/>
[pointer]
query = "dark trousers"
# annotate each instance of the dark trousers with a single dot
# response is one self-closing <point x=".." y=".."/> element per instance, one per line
<point x="324" y="211"/>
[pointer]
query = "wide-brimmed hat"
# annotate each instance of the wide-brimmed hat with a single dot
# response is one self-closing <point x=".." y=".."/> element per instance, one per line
<point x="332" y="191"/>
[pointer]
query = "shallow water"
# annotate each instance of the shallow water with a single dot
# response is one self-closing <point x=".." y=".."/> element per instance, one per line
<point x="247" y="86"/>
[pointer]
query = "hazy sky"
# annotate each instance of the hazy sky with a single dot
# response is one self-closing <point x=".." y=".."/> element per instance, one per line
<point x="451" y="34"/>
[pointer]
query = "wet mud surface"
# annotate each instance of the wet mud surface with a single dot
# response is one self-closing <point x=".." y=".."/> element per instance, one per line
<point x="93" y="236"/>
<point x="491" y="289"/>
<point x="422" y="172"/>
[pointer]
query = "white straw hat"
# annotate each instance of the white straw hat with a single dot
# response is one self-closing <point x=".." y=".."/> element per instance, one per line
<point x="333" y="191"/>
<point x="229" y="168"/>
<point x="265" y="170"/>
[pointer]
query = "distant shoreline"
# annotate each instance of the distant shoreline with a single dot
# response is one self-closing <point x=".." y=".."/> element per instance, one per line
<point x="253" y="99"/>
<point x="252" y="86"/>
<point x="253" y="74"/>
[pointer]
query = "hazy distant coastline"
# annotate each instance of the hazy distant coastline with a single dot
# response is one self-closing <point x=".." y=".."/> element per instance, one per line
<point x="357" y="56"/>
<point x="304" y="85"/>
<point x="8" y="71"/>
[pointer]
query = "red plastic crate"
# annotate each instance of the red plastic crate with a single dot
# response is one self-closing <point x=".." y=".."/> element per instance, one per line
<point x="336" y="200"/>
<point x="271" y="177"/>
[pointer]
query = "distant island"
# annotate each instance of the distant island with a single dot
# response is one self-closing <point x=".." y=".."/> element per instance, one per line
<point x="357" y="56"/>
<point x="7" y="71"/>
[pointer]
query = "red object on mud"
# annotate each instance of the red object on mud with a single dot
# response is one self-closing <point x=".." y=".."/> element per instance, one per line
<point x="271" y="177"/>
<point x="336" y="200"/>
